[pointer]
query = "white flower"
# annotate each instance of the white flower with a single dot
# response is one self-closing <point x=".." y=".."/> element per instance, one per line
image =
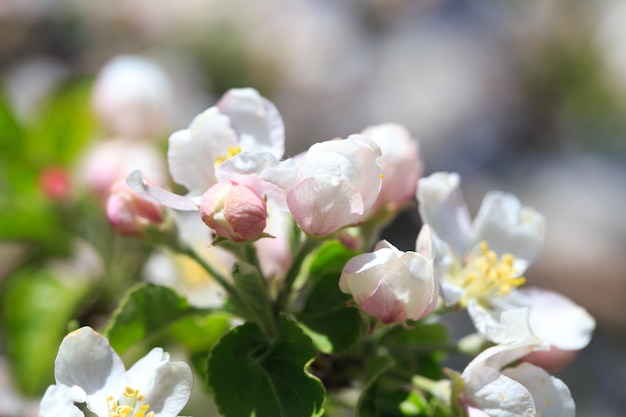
<point x="242" y="121"/>
<point x="392" y="285"/>
<point x="132" y="96"/>
<point x="526" y="390"/>
<point x="338" y="182"/>
<point x="90" y="376"/>
<point x="484" y="258"/>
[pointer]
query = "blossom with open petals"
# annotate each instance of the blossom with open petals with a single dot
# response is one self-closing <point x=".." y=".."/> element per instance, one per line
<point x="392" y="285"/>
<point x="486" y="257"/>
<point x="338" y="182"/>
<point x="90" y="376"/>
<point x="242" y="121"/>
<point x="493" y="389"/>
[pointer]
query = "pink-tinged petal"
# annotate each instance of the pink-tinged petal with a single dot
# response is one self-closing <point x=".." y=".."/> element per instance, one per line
<point x="193" y="153"/>
<point x="556" y="319"/>
<point x="322" y="205"/>
<point x="509" y="227"/>
<point x="159" y="195"/>
<point x="256" y="120"/>
<point x="400" y="163"/>
<point x="60" y="400"/>
<point x="551" y="396"/>
<point x="425" y="243"/>
<point x="362" y="274"/>
<point x="86" y="359"/>
<point x="442" y="207"/>
<point x="551" y="360"/>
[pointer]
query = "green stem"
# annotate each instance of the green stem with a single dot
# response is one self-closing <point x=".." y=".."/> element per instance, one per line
<point x="306" y="247"/>
<point x="187" y="250"/>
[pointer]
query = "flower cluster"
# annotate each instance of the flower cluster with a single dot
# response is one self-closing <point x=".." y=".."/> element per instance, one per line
<point x="310" y="293"/>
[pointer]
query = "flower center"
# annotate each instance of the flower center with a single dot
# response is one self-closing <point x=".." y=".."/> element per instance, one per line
<point x="230" y="152"/>
<point x="129" y="405"/>
<point x="485" y="276"/>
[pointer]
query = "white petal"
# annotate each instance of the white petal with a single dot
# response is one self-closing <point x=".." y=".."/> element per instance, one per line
<point x="509" y="227"/>
<point x="501" y="326"/>
<point x="498" y="395"/>
<point x="557" y="320"/>
<point x="159" y="195"/>
<point x="166" y="385"/>
<point x="192" y="152"/>
<point x="262" y="172"/>
<point x="86" y="359"/>
<point x="552" y="397"/>
<point x="362" y="274"/>
<point x="59" y="400"/>
<point x="442" y="207"/>
<point x="255" y="119"/>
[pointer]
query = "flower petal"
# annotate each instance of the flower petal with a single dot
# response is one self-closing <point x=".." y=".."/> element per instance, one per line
<point x="159" y="195"/>
<point x="167" y="385"/>
<point x="324" y="204"/>
<point x="509" y="227"/>
<point x="255" y="119"/>
<point x="551" y="396"/>
<point x="192" y="152"/>
<point x="60" y="400"/>
<point x="442" y="207"/>
<point x="86" y="359"/>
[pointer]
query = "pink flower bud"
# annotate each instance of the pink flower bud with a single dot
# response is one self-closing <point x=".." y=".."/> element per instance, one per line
<point x="392" y="285"/>
<point x="129" y="213"/>
<point x="55" y="183"/>
<point x="234" y="211"/>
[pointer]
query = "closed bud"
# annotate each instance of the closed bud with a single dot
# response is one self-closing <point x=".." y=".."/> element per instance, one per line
<point x="234" y="211"/>
<point x="130" y="214"/>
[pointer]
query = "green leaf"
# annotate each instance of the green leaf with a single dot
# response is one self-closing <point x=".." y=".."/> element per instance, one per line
<point x="250" y="376"/>
<point x="146" y="310"/>
<point x="253" y="301"/>
<point x="324" y="316"/>
<point x="419" y="349"/>
<point x="36" y="309"/>
<point x="375" y="367"/>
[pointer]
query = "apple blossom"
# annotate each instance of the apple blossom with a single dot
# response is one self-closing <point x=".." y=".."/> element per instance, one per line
<point x="132" y="97"/>
<point x="491" y="388"/>
<point x="338" y="182"/>
<point x="400" y="162"/>
<point x="129" y="213"/>
<point x="91" y="379"/>
<point x="242" y="121"/>
<point x="392" y="285"/>
<point x="484" y="258"/>
<point x="234" y="211"/>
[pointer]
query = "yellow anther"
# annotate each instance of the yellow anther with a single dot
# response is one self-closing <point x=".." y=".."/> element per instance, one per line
<point x="485" y="275"/>
<point x="129" y="407"/>
<point x="230" y="152"/>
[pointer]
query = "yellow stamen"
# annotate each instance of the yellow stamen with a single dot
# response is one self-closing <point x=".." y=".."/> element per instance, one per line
<point x="485" y="275"/>
<point x="129" y="407"/>
<point x="230" y="152"/>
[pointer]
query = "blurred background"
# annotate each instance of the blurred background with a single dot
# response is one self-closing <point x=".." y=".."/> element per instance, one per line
<point x="527" y="97"/>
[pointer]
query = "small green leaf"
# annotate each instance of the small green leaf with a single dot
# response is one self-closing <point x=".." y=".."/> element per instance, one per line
<point x="332" y="325"/>
<point x="250" y="376"/>
<point x="145" y="311"/>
